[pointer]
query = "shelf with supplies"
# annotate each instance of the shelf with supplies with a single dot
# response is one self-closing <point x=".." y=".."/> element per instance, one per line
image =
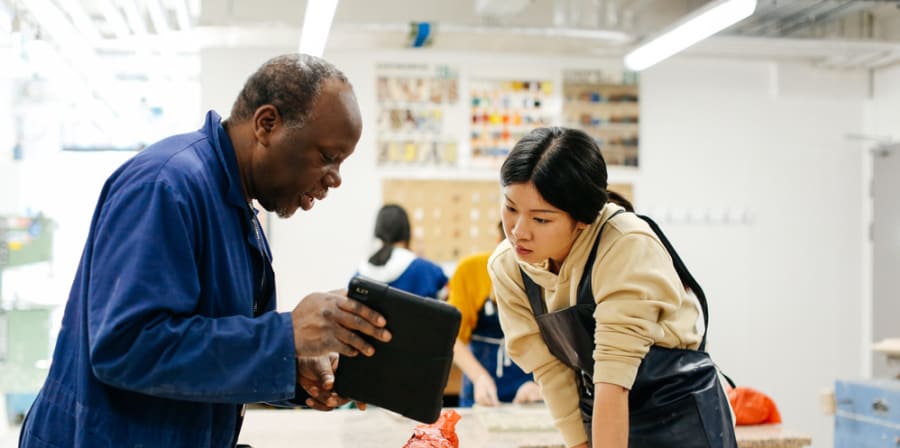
<point x="608" y="111"/>
<point x="417" y="151"/>
<point x="502" y="112"/>
<point x="414" y="102"/>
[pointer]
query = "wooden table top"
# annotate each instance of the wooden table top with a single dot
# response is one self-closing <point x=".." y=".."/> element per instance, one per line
<point x="505" y="427"/>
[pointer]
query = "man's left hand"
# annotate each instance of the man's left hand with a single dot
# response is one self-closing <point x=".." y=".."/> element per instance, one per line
<point x="316" y="376"/>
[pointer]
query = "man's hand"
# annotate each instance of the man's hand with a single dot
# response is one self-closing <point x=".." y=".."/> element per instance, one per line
<point x="316" y="376"/>
<point x="485" y="391"/>
<point x="329" y="322"/>
<point x="529" y="392"/>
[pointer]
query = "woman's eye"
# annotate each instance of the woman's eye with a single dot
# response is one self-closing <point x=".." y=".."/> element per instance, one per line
<point x="510" y="209"/>
<point x="541" y="220"/>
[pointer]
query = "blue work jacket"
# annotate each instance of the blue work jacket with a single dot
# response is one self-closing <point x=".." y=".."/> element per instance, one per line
<point x="159" y="344"/>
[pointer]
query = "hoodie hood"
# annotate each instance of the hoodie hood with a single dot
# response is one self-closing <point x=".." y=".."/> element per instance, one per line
<point x="392" y="270"/>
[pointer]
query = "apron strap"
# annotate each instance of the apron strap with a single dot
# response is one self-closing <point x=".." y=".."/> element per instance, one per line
<point x="684" y="275"/>
<point x="585" y="290"/>
<point x="535" y="294"/>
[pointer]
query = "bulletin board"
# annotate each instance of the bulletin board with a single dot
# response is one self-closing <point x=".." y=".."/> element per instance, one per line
<point x="451" y="219"/>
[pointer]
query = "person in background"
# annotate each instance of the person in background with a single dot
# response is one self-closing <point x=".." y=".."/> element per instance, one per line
<point x="588" y="294"/>
<point x="395" y="264"/>
<point x="171" y="325"/>
<point x="489" y="375"/>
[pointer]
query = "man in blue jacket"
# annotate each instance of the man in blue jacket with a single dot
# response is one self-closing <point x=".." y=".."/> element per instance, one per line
<point x="170" y="325"/>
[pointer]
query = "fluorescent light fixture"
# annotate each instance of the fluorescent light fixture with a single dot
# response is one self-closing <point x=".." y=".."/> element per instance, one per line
<point x="81" y="19"/>
<point x="696" y="26"/>
<point x="157" y="16"/>
<point x="114" y="18"/>
<point x="133" y="16"/>
<point x="6" y="19"/>
<point x="182" y="16"/>
<point x="316" y="26"/>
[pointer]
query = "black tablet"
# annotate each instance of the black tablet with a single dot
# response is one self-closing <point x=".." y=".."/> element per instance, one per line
<point x="408" y="374"/>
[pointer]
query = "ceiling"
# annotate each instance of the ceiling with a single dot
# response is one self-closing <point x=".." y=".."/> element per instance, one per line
<point x="844" y="34"/>
<point x="106" y="45"/>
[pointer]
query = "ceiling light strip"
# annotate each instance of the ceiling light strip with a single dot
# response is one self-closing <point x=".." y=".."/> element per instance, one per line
<point x="693" y="28"/>
<point x="316" y="26"/>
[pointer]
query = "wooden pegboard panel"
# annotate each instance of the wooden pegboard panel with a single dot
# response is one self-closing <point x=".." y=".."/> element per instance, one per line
<point x="454" y="218"/>
<point x="450" y="218"/>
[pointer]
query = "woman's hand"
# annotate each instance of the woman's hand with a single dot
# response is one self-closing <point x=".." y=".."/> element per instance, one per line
<point x="529" y="392"/>
<point x="485" y="391"/>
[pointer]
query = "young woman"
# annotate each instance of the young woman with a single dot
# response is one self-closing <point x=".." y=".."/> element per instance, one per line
<point x="395" y="264"/>
<point x="598" y="305"/>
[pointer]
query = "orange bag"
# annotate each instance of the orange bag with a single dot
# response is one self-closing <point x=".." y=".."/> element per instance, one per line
<point x="440" y="434"/>
<point x="752" y="407"/>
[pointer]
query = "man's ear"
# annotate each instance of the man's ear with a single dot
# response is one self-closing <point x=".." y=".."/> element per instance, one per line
<point x="265" y="120"/>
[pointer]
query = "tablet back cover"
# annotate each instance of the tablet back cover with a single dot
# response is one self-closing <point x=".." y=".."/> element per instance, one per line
<point x="408" y="374"/>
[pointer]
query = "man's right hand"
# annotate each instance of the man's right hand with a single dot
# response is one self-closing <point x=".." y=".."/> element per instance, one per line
<point x="329" y="322"/>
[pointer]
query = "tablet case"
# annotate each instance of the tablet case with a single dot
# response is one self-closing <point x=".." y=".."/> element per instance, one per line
<point x="408" y="374"/>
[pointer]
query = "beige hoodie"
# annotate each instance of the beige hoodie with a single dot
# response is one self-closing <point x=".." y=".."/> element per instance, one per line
<point x="640" y="302"/>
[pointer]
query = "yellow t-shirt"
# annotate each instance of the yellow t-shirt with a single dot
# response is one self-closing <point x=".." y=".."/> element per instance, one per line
<point x="468" y="289"/>
<point x="640" y="302"/>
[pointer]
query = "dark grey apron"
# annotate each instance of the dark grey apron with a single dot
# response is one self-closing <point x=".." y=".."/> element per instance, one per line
<point x="676" y="399"/>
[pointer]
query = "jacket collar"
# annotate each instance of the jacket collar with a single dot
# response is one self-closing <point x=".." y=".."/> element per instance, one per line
<point x="227" y="158"/>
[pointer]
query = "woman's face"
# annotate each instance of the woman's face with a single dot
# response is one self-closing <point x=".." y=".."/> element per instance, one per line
<point x="536" y="229"/>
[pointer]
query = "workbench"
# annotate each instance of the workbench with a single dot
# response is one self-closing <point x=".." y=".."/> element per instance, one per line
<point x="505" y="427"/>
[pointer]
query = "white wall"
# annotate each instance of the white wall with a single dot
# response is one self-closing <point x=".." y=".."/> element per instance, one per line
<point x="785" y="289"/>
<point x="883" y="114"/>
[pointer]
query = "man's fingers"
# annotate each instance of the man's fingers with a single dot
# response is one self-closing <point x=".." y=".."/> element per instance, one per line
<point x="356" y="322"/>
<point x="319" y="406"/>
<point x="327" y="402"/>
<point x="354" y="341"/>
<point x="334" y="357"/>
<point x="325" y="372"/>
<point x="367" y="314"/>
